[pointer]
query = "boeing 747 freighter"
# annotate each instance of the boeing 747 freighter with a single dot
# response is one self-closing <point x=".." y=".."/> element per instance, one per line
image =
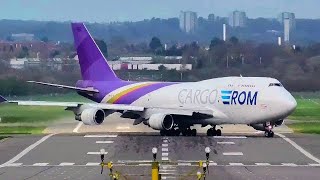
<point x="171" y="107"/>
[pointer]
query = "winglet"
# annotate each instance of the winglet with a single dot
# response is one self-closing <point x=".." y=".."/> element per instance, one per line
<point x="2" y="99"/>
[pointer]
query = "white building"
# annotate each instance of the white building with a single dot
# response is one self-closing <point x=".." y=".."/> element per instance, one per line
<point x="188" y="21"/>
<point x="155" y="67"/>
<point x="22" y="37"/>
<point x="286" y="27"/>
<point x="238" y="19"/>
<point x="290" y="16"/>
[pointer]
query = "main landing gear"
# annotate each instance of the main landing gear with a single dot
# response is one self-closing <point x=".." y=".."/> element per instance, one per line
<point x="213" y="132"/>
<point x="177" y="132"/>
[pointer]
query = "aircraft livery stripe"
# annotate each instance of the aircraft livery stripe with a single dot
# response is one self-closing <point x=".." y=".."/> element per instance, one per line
<point x="226" y="102"/>
<point x="226" y="92"/>
<point x="124" y="92"/>
<point x="225" y="97"/>
<point x="132" y="96"/>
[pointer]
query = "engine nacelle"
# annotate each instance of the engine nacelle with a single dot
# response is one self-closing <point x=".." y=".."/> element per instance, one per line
<point x="92" y="116"/>
<point x="279" y="122"/>
<point x="259" y="127"/>
<point x="161" y="121"/>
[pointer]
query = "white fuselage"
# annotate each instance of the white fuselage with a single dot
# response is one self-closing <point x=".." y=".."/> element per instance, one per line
<point x="233" y="100"/>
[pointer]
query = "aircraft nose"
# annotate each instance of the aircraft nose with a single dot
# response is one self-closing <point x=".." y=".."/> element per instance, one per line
<point x="290" y="103"/>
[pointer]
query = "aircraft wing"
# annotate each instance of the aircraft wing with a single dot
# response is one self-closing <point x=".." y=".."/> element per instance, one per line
<point x="119" y="107"/>
<point x="205" y="113"/>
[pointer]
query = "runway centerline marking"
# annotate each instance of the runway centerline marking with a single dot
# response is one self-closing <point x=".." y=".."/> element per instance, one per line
<point x="92" y="164"/>
<point x="230" y="137"/>
<point x="165" y="154"/>
<point x="262" y="164"/>
<point x="96" y="153"/>
<point x="288" y="164"/>
<point x="66" y="164"/>
<point x="14" y="164"/>
<point x="25" y="151"/>
<point x="101" y="136"/>
<point x="222" y="142"/>
<point x="299" y="148"/>
<point x="164" y="145"/>
<point x="232" y="154"/>
<point x="40" y="164"/>
<point x="104" y="142"/>
<point x="236" y="164"/>
<point x="76" y="129"/>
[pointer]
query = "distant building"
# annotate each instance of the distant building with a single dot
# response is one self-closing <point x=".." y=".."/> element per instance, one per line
<point x="238" y="19"/>
<point x="211" y="18"/>
<point x="287" y="28"/>
<point x="22" y="37"/>
<point x="188" y="21"/>
<point x="290" y="16"/>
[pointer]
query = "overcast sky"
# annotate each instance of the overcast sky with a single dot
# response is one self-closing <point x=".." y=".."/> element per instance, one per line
<point x="134" y="10"/>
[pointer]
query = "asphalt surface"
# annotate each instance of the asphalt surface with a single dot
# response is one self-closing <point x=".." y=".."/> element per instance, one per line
<point x="70" y="156"/>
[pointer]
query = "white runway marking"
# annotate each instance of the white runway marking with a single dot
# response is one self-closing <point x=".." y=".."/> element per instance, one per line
<point x="167" y="170"/>
<point x="213" y="164"/>
<point x="165" y="159"/>
<point x="144" y="164"/>
<point x="92" y="164"/>
<point x="66" y="164"/>
<point x="165" y="141"/>
<point x="14" y="164"/>
<point x="164" y="145"/>
<point x="104" y="142"/>
<point x="101" y="136"/>
<point x="169" y="177"/>
<point x="134" y="161"/>
<point x="96" y="153"/>
<point x="165" y="154"/>
<point x="233" y="154"/>
<point x="299" y="148"/>
<point x="262" y="164"/>
<point x="76" y="129"/>
<point x="165" y="149"/>
<point x="288" y="164"/>
<point x="230" y="137"/>
<point x="225" y="142"/>
<point x="235" y="164"/>
<point x="184" y="164"/>
<point x="40" y="164"/>
<point x="28" y="149"/>
<point x="122" y="127"/>
<point x="314" y="165"/>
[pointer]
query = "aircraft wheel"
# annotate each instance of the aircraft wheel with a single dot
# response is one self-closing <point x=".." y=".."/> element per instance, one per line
<point x="210" y="132"/>
<point x="218" y="132"/>
<point x="163" y="132"/>
<point x="194" y="132"/>
<point x="177" y="132"/>
<point x="184" y="132"/>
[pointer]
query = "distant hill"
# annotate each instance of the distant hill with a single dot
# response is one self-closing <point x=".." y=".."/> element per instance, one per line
<point x="261" y="30"/>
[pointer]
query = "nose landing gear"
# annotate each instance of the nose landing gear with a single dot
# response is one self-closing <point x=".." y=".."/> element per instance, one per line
<point x="268" y="132"/>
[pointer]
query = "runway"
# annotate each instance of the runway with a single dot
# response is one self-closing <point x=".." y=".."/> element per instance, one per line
<point x="76" y="156"/>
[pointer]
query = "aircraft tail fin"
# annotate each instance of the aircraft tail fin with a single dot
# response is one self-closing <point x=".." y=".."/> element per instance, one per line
<point x="93" y="64"/>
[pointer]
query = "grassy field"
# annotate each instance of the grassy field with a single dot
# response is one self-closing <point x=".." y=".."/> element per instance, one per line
<point x="33" y="119"/>
<point x="307" y="114"/>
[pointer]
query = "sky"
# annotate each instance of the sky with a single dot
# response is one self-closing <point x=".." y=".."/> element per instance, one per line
<point x="135" y="10"/>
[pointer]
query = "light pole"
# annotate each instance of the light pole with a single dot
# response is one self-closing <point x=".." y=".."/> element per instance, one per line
<point x="155" y="165"/>
<point x="207" y="151"/>
<point x="102" y="152"/>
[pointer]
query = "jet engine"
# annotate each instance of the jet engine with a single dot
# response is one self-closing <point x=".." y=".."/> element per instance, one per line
<point x="259" y="127"/>
<point x="161" y="121"/>
<point x="92" y="116"/>
<point x="279" y="122"/>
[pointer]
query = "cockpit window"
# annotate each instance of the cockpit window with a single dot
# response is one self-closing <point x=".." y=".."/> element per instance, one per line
<point x="275" y="84"/>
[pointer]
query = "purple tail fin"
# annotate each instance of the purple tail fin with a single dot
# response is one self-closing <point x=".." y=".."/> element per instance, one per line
<point x="93" y="64"/>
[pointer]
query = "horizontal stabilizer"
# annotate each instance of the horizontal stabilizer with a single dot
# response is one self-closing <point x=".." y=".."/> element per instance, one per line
<point x="86" y="90"/>
<point x="2" y="99"/>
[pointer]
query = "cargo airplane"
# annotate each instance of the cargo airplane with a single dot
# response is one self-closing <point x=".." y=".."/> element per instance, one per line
<point x="170" y="107"/>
